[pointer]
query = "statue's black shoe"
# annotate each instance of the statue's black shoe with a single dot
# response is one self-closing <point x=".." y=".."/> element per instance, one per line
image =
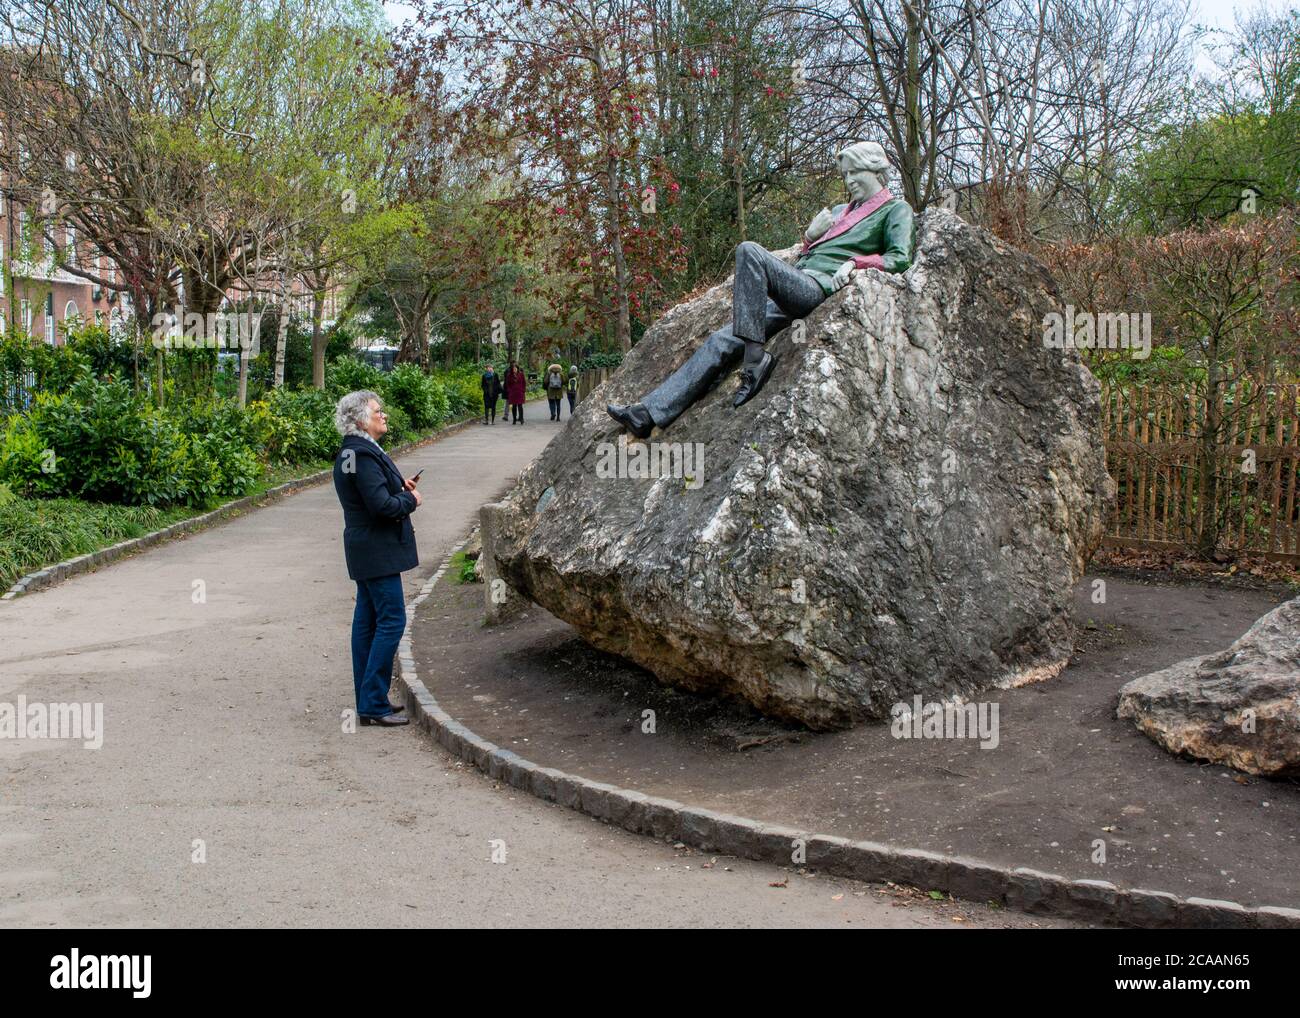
<point x="635" y="417"/>
<point x="753" y="379"/>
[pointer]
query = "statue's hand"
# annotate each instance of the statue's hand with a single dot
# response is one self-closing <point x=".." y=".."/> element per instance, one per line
<point x="820" y="224"/>
<point x="842" y="274"/>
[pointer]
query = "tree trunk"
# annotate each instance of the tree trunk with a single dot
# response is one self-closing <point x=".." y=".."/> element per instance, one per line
<point x="737" y="160"/>
<point x="243" y="378"/>
<point x="318" y="339"/>
<point x="624" y="328"/>
<point x="910" y="171"/>
<point x="281" y="338"/>
<point x="282" y="331"/>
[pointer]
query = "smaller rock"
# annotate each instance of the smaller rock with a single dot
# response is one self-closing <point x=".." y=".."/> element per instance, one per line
<point x="1239" y="707"/>
<point x="500" y="601"/>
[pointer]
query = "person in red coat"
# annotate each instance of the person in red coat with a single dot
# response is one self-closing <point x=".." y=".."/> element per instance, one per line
<point x="516" y="387"/>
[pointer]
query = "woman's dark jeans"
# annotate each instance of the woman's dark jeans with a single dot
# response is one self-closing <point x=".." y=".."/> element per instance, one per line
<point x="377" y="626"/>
<point x="555" y="407"/>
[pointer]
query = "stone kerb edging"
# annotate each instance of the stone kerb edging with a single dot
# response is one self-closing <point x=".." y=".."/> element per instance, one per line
<point x="1023" y="889"/>
<point x="61" y="571"/>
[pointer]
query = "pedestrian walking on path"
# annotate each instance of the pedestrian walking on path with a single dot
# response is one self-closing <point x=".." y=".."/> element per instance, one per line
<point x="554" y="389"/>
<point x="516" y="392"/>
<point x="492" y="390"/>
<point x="378" y="545"/>
<point x="571" y="388"/>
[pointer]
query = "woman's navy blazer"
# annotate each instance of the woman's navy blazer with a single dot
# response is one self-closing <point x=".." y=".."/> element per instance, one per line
<point x="378" y="539"/>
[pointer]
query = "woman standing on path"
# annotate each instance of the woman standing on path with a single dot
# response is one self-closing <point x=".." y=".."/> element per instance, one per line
<point x="554" y="389"/>
<point x="378" y="545"/>
<point x="571" y="388"/>
<point x="516" y="392"/>
<point x="492" y="390"/>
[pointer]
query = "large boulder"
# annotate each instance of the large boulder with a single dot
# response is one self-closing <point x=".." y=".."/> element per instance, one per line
<point x="903" y="509"/>
<point x="1240" y="707"/>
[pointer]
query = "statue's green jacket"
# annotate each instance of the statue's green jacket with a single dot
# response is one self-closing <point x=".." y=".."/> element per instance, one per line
<point x="883" y="240"/>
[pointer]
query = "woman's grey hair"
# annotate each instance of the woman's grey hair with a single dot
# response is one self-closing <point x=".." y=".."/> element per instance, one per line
<point x="865" y="155"/>
<point x="353" y="412"/>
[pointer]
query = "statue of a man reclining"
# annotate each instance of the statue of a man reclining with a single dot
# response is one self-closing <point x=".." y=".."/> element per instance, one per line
<point x="873" y="231"/>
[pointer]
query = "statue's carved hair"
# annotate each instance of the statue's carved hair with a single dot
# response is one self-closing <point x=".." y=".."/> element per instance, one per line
<point x="865" y="155"/>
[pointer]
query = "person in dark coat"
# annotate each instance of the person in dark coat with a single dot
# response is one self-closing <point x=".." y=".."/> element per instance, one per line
<point x="571" y="388"/>
<point x="554" y="389"/>
<point x="492" y="390"/>
<point x="378" y="545"/>
<point x="516" y="392"/>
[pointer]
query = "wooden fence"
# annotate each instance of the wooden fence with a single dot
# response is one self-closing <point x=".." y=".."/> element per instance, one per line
<point x="589" y="379"/>
<point x="1186" y="483"/>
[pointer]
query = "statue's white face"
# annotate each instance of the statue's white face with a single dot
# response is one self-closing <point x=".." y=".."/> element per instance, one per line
<point x="861" y="184"/>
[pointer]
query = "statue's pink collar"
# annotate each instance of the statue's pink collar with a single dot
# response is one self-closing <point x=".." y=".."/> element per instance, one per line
<point x="850" y="217"/>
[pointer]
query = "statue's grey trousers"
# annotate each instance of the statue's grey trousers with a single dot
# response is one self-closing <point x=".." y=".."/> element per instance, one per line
<point x="767" y="296"/>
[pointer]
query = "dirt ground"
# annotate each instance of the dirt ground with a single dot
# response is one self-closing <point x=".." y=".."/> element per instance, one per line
<point x="1069" y="788"/>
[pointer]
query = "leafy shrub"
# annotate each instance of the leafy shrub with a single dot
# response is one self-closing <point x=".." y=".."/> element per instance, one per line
<point x="102" y="442"/>
<point x="105" y="357"/>
<point x="601" y="360"/>
<point x="224" y="436"/>
<point x="422" y="398"/>
<point x="97" y="441"/>
<point x="295" y="425"/>
<point x="30" y="365"/>
<point x="468" y="398"/>
<point x="351" y="374"/>
<point x="399" y="425"/>
<point x="464" y="391"/>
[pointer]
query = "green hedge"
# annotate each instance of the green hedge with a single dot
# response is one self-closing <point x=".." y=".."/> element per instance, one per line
<point x="294" y="426"/>
<point x="101" y="442"/>
<point x="98" y="439"/>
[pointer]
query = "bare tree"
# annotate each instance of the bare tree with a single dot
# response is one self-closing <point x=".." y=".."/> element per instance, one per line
<point x="1025" y="106"/>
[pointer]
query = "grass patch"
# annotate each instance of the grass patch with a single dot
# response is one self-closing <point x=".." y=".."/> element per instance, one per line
<point x="39" y="532"/>
<point x="462" y="568"/>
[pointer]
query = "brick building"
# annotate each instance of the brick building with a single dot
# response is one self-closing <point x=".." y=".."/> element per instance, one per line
<point x="38" y="294"/>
